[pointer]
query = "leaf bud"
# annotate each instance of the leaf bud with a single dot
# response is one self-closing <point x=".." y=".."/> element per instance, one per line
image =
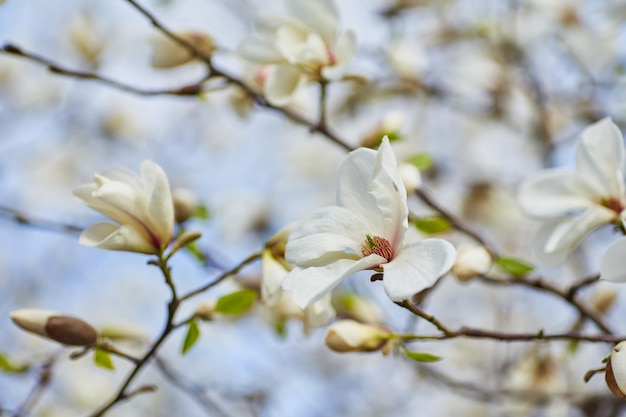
<point x="470" y="262"/>
<point x="185" y="203"/>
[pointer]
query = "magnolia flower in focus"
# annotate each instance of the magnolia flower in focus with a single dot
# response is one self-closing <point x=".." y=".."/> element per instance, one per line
<point x="572" y="204"/>
<point x="300" y="49"/>
<point x="364" y="231"/>
<point x="142" y="206"/>
<point x="274" y="269"/>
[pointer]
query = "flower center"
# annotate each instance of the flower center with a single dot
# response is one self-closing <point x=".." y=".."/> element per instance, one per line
<point x="613" y="203"/>
<point x="378" y="245"/>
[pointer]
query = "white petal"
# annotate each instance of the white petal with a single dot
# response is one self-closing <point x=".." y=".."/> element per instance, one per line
<point x="112" y="237"/>
<point x="557" y="239"/>
<point x="290" y="40"/>
<point x="600" y="157"/>
<point x="273" y="272"/>
<point x="353" y="193"/>
<point x="417" y="267"/>
<point x="557" y="193"/>
<point x="310" y="284"/>
<point x="618" y="365"/>
<point x="319" y="15"/>
<point x="320" y="312"/>
<point x="260" y="50"/>
<point x="282" y="83"/>
<point x="343" y="53"/>
<point x="388" y="189"/>
<point x="328" y="234"/>
<point x="161" y="204"/>
<point x="613" y="265"/>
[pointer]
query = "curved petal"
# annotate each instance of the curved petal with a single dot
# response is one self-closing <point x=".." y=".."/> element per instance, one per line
<point x="556" y="193"/>
<point x="259" y="50"/>
<point x="387" y="187"/>
<point x="319" y="313"/>
<point x="310" y="284"/>
<point x="320" y="15"/>
<point x="417" y="267"/>
<point x="353" y="193"/>
<point x="612" y="265"/>
<point x="282" y="83"/>
<point x="325" y="236"/>
<point x="111" y="237"/>
<point x="161" y="205"/>
<point x="557" y="239"/>
<point x="343" y="53"/>
<point x="600" y="157"/>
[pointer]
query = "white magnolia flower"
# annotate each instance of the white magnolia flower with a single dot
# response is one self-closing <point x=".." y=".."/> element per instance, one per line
<point x="142" y="206"/>
<point x="301" y="48"/>
<point x="575" y="203"/>
<point x="364" y="231"/>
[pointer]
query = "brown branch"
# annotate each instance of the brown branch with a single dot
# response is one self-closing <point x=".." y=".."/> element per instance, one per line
<point x="43" y="381"/>
<point x="49" y="225"/>
<point x="545" y="286"/>
<point x="189" y="90"/>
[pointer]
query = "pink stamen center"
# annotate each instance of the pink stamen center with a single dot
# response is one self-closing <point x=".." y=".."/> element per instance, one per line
<point x="378" y="245"/>
<point x="614" y="204"/>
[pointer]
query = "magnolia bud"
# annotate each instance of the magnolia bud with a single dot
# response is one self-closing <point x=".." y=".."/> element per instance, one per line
<point x="170" y="54"/>
<point x="390" y="126"/>
<point x="49" y="324"/>
<point x="124" y="332"/>
<point x="185" y="203"/>
<point x="603" y="299"/>
<point x="206" y="311"/>
<point x="411" y="177"/>
<point x="352" y="336"/>
<point x="615" y="374"/>
<point x="470" y="262"/>
<point x="358" y="308"/>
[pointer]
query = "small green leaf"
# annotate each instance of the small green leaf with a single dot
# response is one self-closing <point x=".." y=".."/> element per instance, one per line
<point x="201" y="212"/>
<point x="422" y="161"/>
<point x="7" y="366"/>
<point x="572" y="346"/>
<point x="513" y="266"/>
<point x="280" y="327"/>
<point x="193" y="334"/>
<point x="102" y="358"/>
<point x="421" y="356"/>
<point x="236" y="303"/>
<point x="432" y="225"/>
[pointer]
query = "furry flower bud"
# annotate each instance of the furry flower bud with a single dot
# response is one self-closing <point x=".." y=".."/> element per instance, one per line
<point x="352" y="336"/>
<point x="66" y="330"/>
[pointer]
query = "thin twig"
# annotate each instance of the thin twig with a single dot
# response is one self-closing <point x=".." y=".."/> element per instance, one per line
<point x="49" y="225"/>
<point x="43" y="382"/>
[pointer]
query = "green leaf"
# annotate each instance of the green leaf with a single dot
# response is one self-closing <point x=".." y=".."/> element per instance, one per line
<point x="421" y="356"/>
<point x="513" y="266"/>
<point x="102" y="358"/>
<point x="236" y="303"/>
<point x="7" y="366"/>
<point x="193" y="334"/>
<point x="432" y="225"/>
<point x="201" y="212"/>
<point x="422" y="161"/>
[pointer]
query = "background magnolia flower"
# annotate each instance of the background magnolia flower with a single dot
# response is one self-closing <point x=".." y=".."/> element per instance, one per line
<point x="364" y="231"/>
<point x="142" y="206"/>
<point x="301" y="48"/>
<point x="274" y="269"/>
<point x="574" y="203"/>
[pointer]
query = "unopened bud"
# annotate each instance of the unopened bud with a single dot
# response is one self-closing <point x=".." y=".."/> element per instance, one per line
<point x="411" y="177"/>
<point x="170" y="54"/>
<point x="470" y="262"/>
<point x="389" y="126"/>
<point x="185" y="203"/>
<point x="603" y="299"/>
<point x="185" y="239"/>
<point x="359" y="309"/>
<point x="352" y="336"/>
<point x="206" y="311"/>
<point x="615" y="374"/>
<point x="49" y="324"/>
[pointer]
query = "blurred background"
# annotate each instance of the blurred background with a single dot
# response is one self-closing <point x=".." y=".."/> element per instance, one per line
<point x="486" y="92"/>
